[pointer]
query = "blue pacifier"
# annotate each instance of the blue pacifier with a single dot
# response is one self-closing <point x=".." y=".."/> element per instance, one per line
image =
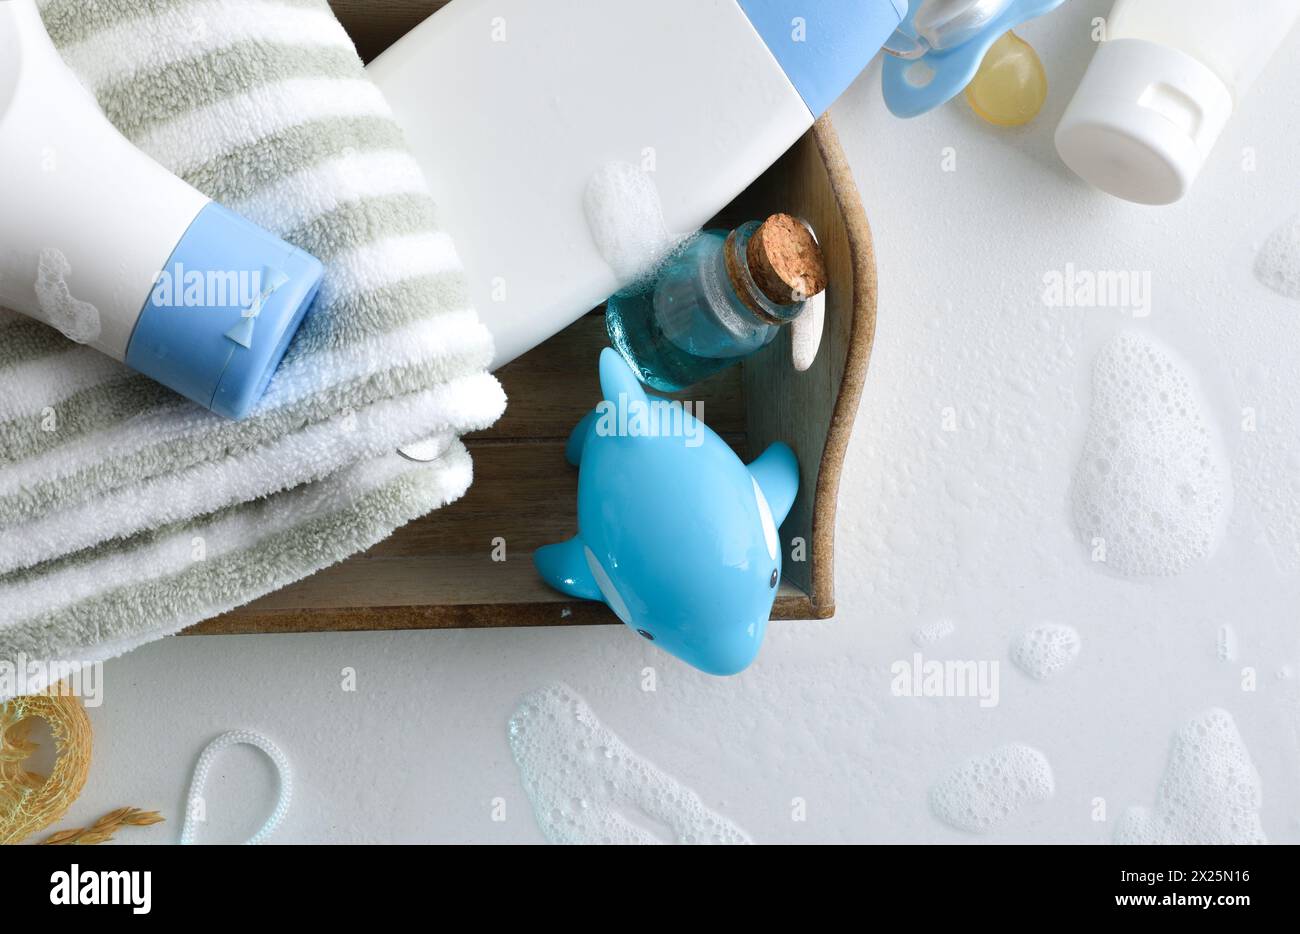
<point x="940" y="44"/>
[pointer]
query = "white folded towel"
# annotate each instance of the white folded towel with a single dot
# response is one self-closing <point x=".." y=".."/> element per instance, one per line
<point x="127" y="512"/>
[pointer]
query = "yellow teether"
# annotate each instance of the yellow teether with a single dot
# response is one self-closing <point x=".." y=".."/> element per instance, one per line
<point x="1011" y="85"/>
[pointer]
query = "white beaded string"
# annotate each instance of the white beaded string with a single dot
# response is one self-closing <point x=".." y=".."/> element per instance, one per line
<point x="237" y="738"/>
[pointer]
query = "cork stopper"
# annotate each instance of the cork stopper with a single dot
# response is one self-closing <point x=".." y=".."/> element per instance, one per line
<point x="785" y="260"/>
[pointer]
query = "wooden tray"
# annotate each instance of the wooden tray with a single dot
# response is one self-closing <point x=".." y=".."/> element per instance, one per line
<point x="439" y="572"/>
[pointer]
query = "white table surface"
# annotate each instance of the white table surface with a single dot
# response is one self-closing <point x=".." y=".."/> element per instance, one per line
<point x="972" y="526"/>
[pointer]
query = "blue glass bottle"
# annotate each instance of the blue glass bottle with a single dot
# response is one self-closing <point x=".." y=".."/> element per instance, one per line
<point x="719" y="298"/>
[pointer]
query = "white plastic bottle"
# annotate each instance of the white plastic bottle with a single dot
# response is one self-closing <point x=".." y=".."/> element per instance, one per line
<point x="105" y="244"/>
<point x="513" y="106"/>
<point x="1161" y="88"/>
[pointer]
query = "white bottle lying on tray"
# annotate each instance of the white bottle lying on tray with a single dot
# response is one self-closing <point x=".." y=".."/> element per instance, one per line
<point x="512" y="106"/>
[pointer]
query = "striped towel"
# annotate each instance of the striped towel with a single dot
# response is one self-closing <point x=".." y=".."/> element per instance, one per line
<point x="127" y="512"/>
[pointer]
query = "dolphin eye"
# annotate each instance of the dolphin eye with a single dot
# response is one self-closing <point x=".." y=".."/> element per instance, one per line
<point x="776" y="576"/>
<point x="645" y="635"/>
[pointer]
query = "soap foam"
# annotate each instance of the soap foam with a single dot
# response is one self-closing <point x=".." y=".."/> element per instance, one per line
<point x="1045" y="651"/>
<point x="985" y="790"/>
<point x="1153" y="484"/>
<point x="934" y="632"/>
<point x="587" y="786"/>
<point x="1278" y="262"/>
<point x="1210" y="793"/>
<point x="626" y="218"/>
<point x="78" y="320"/>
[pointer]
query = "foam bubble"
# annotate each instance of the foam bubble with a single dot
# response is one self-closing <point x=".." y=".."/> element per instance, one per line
<point x="1045" y="651"/>
<point x="1152" y="489"/>
<point x="587" y="786"/>
<point x="78" y="320"/>
<point x="1210" y="793"/>
<point x="985" y="790"/>
<point x="626" y="218"/>
<point x="1278" y="262"/>
<point x="934" y="632"/>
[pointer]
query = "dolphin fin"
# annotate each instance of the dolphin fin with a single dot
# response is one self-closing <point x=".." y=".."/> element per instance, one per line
<point x="564" y="567"/>
<point x="618" y="384"/>
<point x="578" y="439"/>
<point x="777" y="473"/>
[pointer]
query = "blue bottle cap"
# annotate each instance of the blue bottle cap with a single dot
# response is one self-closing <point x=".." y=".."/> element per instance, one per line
<point x="222" y="312"/>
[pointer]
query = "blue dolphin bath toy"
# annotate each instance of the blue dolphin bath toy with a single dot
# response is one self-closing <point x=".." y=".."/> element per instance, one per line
<point x="676" y="535"/>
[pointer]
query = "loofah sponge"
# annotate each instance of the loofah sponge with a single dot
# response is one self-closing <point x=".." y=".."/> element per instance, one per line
<point x="29" y="801"/>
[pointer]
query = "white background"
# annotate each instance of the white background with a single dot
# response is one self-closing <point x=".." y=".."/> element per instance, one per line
<point x="973" y="526"/>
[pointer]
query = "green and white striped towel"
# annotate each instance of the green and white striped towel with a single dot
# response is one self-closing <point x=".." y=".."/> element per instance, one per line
<point x="128" y="513"/>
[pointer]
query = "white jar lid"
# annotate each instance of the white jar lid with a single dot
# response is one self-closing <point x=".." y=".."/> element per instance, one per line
<point x="1143" y="121"/>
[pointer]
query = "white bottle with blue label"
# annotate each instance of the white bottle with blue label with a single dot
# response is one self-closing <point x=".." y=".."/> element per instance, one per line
<point x="512" y="106"/>
<point x="103" y="243"/>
